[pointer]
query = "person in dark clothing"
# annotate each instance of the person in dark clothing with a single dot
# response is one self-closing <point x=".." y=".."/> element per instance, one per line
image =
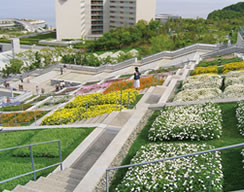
<point x="137" y="75"/>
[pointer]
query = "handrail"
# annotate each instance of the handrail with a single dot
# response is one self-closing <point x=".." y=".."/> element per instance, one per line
<point x="32" y="160"/>
<point x="167" y="159"/>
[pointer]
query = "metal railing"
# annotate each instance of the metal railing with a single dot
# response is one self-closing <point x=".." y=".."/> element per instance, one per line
<point x="168" y="159"/>
<point x="32" y="160"/>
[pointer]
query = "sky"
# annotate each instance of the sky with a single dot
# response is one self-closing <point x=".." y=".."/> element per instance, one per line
<point x="45" y="9"/>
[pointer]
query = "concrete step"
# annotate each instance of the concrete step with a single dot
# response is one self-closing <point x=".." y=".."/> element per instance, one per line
<point x="87" y="160"/>
<point x="45" y="187"/>
<point x="61" y="184"/>
<point x="102" y="118"/>
<point x="70" y="180"/>
<point x="88" y="121"/>
<point x="110" y="117"/>
<point x="73" y="173"/>
<point x="121" y="118"/>
<point x="20" y="188"/>
<point x="94" y="119"/>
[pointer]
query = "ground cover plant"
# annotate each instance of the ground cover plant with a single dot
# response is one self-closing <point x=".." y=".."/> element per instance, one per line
<point x="202" y="81"/>
<point x="219" y="61"/>
<point x="12" y="165"/>
<point x="19" y="107"/>
<point x="194" y="122"/>
<point x="234" y="77"/>
<point x="198" y="94"/>
<point x="185" y="174"/>
<point x="92" y="105"/>
<point x="144" y="83"/>
<point x="231" y="159"/>
<point x="20" y="119"/>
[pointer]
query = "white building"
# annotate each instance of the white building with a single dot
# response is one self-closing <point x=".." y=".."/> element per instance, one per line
<point x="163" y="18"/>
<point x="77" y="19"/>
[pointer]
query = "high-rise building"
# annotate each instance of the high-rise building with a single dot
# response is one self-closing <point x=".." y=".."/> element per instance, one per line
<point x="77" y="19"/>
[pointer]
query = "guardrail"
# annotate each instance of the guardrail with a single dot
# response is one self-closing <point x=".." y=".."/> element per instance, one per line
<point x="102" y="68"/>
<point x="225" y="51"/>
<point x="171" y="158"/>
<point x="178" y="52"/>
<point x="32" y="160"/>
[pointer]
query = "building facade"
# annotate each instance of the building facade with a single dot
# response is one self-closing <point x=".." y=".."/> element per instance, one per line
<point x="76" y="19"/>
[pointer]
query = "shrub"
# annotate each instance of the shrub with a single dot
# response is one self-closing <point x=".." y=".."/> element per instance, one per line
<point x="195" y="122"/>
<point x="184" y="174"/>
<point x="233" y="66"/>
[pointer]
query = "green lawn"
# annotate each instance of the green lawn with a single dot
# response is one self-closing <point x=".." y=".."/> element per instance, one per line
<point x="16" y="162"/>
<point x="232" y="160"/>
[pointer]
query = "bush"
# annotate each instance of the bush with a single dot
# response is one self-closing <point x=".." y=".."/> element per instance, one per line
<point x="219" y="61"/>
<point x="184" y="174"/>
<point x="195" y="122"/>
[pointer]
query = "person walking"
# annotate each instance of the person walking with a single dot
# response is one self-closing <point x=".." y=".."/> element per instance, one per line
<point x="137" y="78"/>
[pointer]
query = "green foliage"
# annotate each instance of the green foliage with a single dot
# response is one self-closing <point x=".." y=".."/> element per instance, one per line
<point x="219" y="61"/>
<point x="35" y="39"/>
<point x="16" y="107"/>
<point x="230" y="12"/>
<point x="14" y="67"/>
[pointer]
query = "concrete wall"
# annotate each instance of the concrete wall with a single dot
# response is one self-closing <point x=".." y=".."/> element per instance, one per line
<point x="145" y="9"/>
<point x="68" y="19"/>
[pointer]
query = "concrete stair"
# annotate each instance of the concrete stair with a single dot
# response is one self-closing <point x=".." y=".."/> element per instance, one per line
<point x="62" y="181"/>
<point x="93" y="120"/>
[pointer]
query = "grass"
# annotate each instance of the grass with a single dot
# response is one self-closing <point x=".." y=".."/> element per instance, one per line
<point x="20" y="107"/>
<point x="12" y="165"/>
<point x="232" y="159"/>
<point x="37" y="38"/>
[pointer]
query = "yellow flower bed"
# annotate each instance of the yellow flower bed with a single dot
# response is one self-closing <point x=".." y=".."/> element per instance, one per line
<point x="204" y="70"/>
<point x="98" y="104"/>
<point x="233" y="66"/>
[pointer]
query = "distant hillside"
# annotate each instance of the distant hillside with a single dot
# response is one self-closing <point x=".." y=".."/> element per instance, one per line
<point x="230" y="12"/>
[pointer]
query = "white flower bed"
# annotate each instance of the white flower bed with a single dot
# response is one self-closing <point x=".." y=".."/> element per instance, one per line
<point x="185" y="174"/>
<point x="198" y="94"/>
<point x="234" y="78"/>
<point x="195" y="122"/>
<point x="202" y="81"/>
<point x="233" y="91"/>
<point x="240" y="117"/>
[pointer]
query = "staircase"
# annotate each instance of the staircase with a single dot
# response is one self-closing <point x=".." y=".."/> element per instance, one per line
<point x="62" y="181"/>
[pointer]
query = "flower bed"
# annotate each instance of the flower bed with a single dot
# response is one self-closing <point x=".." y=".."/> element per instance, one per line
<point x="203" y="81"/>
<point x="233" y="66"/>
<point x="96" y="104"/>
<point x="184" y="174"/>
<point x="198" y="94"/>
<point x="18" y="119"/>
<point x="240" y="117"/>
<point x="234" y="78"/>
<point x="195" y="122"/>
<point x="92" y="88"/>
<point x="203" y="70"/>
<point x="144" y="83"/>
<point x="234" y="91"/>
